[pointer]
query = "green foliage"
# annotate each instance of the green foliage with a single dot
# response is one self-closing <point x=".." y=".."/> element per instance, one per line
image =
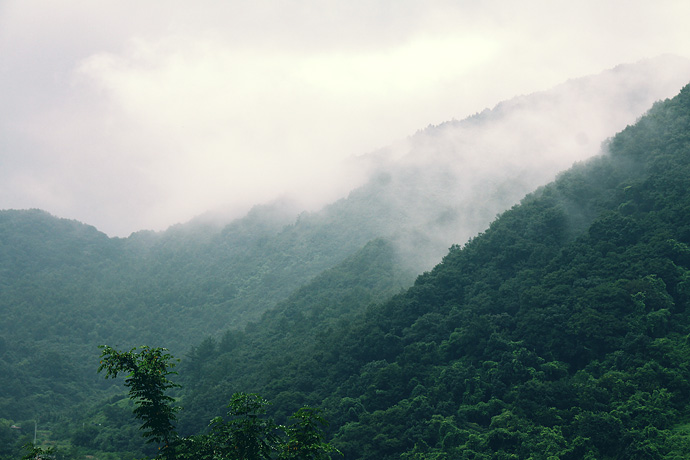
<point x="38" y="453"/>
<point x="66" y="288"/>
<point x="248" y="434"/>
<point x="148" y="383"/>
<point x="305" y="437"/>
<point x="280" y="356"/>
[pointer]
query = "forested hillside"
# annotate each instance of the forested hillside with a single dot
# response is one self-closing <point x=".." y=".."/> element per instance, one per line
<point x="66" y="288"/>
<point x="562" y="331"/>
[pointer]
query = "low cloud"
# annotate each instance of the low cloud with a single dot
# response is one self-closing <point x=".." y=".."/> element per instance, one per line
<point x="129" y="116"/>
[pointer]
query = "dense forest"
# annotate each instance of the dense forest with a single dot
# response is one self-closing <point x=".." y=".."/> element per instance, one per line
<point x="561" y="331"/>
<point x="66" y="288"/>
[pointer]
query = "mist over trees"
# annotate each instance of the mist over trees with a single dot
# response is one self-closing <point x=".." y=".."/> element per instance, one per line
<point x="566" y="315"/>
<point x="561" y="331"/>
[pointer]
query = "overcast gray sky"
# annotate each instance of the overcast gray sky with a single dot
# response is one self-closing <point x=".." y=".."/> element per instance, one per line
<point x="132" y="115"/>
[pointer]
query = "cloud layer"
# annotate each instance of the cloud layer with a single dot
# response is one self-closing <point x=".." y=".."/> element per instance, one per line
<point x="130" y="115"/>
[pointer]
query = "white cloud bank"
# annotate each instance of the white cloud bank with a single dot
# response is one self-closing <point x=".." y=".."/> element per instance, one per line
<point x="130" y="115"/>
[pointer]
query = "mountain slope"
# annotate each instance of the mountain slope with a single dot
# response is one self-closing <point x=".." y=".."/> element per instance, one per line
<point x="526" y="341"/>
<point x="67" y="288"/>
<point x="560" y="331"/>
<point x="446" y="183"/>
<point x="438" y="188"/>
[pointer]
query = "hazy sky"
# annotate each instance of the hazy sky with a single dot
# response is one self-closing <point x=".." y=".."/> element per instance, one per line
<point x="132" y="115"/>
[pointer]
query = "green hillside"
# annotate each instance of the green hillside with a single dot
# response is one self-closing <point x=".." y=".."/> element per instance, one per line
<point x="66" y="288"/>
<point x="562" y="324"/>
<point x="65" y="281"/>
<point x="562" y="331"/>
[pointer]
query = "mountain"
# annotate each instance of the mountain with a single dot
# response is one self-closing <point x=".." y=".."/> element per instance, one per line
<point x="66" y="288"/>
<point x="561" y="331"/>
<point x="437" y="188"/>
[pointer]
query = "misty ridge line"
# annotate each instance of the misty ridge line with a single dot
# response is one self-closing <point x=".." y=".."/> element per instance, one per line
<point x="435" y="189"/>
<point x="446" y="183"/>
<point x="529" y="137"/>
<point x="149" y="123"/>
<point x="439" y="187"/>
<point x="473" y="169"/>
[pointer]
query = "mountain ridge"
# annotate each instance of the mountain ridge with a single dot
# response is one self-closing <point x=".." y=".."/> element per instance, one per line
<point x="561" y="330"/>
<point x="176" y="287"/>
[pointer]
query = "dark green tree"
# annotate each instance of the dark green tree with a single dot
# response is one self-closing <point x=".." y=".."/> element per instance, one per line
<point x="148" y="383"/>
<point x="34" y="452"/>
<point x="305" y="437"/>
<point x="247" y="434"/>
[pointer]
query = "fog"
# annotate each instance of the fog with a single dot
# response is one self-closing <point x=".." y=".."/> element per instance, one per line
<point x="129" y="115"/>
<point x="446" y="183"/>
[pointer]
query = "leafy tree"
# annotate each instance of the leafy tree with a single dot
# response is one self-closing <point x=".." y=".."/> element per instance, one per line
<point x="38" y="453"/>
<point x="147" y="380"/>
<point x="247" y="435"/>
<point x="305" y="437"/>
